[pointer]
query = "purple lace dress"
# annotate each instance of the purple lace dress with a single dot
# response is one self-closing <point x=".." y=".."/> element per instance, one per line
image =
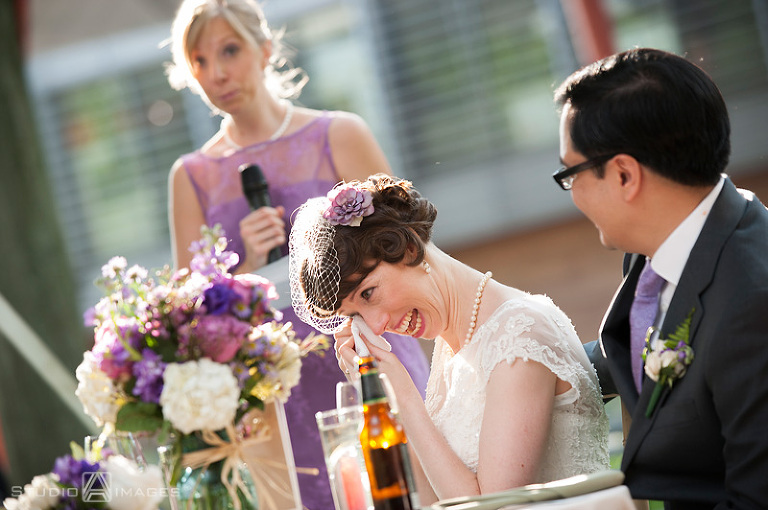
<point x="297" y="167"/>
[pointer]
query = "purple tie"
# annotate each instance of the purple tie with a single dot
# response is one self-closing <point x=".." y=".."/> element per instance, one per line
<point x="642" y="315"/>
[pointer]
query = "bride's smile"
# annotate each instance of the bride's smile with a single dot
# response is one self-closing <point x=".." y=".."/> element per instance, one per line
<point x="410" y="324"/>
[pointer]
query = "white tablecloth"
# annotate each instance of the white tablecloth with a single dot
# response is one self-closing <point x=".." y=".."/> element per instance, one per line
<point x="615" y="498"/>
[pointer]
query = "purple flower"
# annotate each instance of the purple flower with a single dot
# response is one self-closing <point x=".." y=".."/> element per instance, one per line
<point x="220" y="298"/>
<point x="90" y="317"/>
<point x="207" y="264"/>
<point x="349" y="205"/>
<point x="241" y="372"/>
<point x="257" y="346"/>
<point x="110" y="352"/>
<point x="70" y="471"/>
<point x="149" y="376"/>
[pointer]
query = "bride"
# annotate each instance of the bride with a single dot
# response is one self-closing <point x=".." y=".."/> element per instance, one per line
<point x="512" y="398"/>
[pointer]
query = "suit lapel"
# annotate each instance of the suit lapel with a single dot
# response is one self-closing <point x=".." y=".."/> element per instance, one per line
<point x="697" y="275"/>
<point x="614" y="333"/>
<point x="700" y="268"/>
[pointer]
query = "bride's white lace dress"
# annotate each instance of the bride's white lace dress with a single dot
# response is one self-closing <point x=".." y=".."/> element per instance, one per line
<point x="530" y="327"/>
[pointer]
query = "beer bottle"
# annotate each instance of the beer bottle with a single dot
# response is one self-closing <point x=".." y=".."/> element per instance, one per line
<point x="385" y="446"/>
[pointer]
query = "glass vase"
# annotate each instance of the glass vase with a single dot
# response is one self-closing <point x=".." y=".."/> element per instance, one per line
<point x="114" y="443"/>
<point x="202" y="488"/>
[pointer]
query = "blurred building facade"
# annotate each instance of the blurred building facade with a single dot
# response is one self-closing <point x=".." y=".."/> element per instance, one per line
<point x="457" y="91"/>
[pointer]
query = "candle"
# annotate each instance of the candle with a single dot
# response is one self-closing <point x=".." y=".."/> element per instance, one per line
<point x="349" y="472"/>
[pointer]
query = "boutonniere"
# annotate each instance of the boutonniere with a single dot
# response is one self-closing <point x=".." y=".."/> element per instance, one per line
<point x="668" y="359"/>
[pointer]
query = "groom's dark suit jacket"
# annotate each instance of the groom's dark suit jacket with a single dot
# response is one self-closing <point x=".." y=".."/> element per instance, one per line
<point x="706" y="444"/>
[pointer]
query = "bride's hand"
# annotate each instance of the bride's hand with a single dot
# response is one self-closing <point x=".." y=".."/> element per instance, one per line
<point x="345" y="350"/>
<point x="389" y="364"/>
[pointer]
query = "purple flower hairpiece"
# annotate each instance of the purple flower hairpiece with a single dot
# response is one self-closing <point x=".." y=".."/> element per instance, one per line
<point x="349" y="205"/>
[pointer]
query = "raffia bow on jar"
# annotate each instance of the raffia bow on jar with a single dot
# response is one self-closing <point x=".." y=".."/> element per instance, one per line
<point x="249" y="481"/>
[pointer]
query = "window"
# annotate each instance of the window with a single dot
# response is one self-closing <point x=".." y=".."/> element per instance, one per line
<point x="469" y="82"/>
<point x="110" y="140"/>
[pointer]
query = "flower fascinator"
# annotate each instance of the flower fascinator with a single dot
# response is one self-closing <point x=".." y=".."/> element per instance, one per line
<point x="349" y="205"/>
<point x="314" y="264"/>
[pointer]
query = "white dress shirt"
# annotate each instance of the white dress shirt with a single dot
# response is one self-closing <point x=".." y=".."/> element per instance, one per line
<point x="671" y="257"/>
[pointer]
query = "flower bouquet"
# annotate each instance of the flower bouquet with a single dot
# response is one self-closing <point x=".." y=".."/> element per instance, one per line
<point x="105" y="481"/>
<point x="192" y="355"/>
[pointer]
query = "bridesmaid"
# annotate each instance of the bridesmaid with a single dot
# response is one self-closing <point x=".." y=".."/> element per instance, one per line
<point x="225" y="52"/>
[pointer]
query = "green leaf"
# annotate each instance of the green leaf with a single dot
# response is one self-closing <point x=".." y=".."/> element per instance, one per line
<point x="683" y="331"/>
<point x="250" y="383"/>
<point x="254" y="402"/>
<point x="139" y="417"/>
<point x="78" y="452"/>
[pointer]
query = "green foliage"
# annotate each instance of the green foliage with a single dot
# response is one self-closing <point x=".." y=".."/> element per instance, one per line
<point x="139" y="417"/>
<point x="683" y="331"/>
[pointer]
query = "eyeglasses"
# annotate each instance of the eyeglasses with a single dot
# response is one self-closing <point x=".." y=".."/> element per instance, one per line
<point x="565" y="175"/>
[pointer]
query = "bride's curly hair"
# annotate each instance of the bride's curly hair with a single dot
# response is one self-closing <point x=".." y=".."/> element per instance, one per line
<point x="399" y="228"/>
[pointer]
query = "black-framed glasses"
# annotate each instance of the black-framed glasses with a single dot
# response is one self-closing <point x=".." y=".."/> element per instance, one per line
<point x="565" y="175"/>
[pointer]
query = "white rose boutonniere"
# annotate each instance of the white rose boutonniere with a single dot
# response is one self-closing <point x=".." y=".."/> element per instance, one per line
<point x="668" y="359"/>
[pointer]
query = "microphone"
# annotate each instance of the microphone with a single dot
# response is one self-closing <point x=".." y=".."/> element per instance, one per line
<point x="256" y="190"/>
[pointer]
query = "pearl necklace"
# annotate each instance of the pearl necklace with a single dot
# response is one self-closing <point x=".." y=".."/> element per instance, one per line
<point x="277" y="134"/>
<point x="478" y="298"/>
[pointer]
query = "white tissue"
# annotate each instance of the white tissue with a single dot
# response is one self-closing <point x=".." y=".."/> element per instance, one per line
<point x="359" y="327"/>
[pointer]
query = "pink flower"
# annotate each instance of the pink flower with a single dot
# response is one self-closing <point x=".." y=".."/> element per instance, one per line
<point x="349" y="205"/>
<point x="219" y="337"/>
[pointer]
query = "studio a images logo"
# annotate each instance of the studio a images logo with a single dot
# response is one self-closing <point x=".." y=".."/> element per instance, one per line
<point x="96" y="487"/>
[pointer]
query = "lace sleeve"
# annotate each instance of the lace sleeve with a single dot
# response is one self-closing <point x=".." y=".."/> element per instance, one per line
<point x="533" y="329"/>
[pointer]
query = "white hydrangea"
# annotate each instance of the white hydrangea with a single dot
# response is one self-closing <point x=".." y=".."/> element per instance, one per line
<point x="96" y="391"/>
<point x="41" y="493"/>
<point x="199" y="395"/>
<point x="131" y="488"/>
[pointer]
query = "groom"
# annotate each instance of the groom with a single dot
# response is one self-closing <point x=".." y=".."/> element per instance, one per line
<point x="644" y="138"/>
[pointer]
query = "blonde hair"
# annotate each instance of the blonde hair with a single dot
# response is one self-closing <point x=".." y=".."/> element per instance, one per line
<point x="247" y="19"/>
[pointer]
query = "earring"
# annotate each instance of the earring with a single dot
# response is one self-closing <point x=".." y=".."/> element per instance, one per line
<point x="426" y="266"/>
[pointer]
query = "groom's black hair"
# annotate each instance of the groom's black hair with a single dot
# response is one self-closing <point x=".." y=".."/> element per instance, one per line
<point x="657" y="107"/>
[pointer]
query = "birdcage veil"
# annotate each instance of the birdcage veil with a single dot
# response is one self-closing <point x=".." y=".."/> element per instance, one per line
<point x="314" y="268"/>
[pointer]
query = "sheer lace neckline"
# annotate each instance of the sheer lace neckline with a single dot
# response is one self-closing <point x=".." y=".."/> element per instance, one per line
<point x="264" y="143"/>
